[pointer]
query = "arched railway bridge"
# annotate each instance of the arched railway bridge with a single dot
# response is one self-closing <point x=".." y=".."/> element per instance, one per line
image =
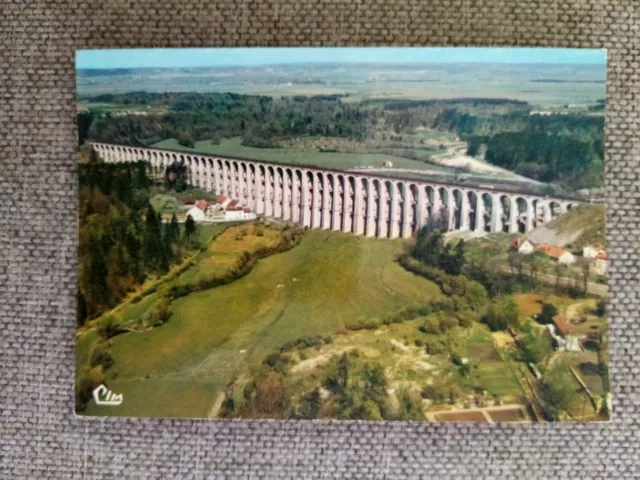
<point x="354" y="202"/>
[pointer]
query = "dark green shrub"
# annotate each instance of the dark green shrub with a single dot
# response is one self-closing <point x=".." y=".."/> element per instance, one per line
<point x="433" y="393"/>
<point x="101" y="355"/>
<point x="447" y="322"/>
<point x="435" y="346"/>
<point x="108" y="328"/>
<point x="547" y="314"/>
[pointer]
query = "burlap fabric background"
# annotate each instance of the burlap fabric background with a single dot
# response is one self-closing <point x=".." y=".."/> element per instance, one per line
<point x="40" y="436"/>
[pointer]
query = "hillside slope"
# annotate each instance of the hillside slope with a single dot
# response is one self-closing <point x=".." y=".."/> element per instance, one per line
<point x="584" y="225"/>
<point x="328" y="281"/>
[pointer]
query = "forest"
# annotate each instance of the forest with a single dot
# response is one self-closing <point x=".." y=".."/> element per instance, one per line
<point x="567" y="149"/>
<point x="122" y="239"/>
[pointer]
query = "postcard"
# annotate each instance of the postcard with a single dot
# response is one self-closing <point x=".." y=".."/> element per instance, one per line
<point x="384" y="234"/>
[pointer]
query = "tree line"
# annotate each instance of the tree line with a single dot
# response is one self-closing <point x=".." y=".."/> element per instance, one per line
<point x="212" y="116"/>
<point x="122" y="239"/>
<point x="566" y="149"/>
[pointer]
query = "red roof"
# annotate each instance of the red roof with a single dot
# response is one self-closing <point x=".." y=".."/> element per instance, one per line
<point x="247" y="209"/>
<point x="221" y="199"/>
<point x="232" y="203"/>
<point x="189" y="201"/>
<point x="234" y="209"/>
<point x="602" y="256"/>
<point x="562" y="325"/>
<point x="201" y="204"/>
<point x="551" y="250"/>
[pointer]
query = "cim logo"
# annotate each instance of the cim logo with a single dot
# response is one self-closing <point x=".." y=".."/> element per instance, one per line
<point x="103" y="396"/>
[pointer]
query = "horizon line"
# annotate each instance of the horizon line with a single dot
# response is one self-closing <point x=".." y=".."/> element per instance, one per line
<point x="155" y="67"/>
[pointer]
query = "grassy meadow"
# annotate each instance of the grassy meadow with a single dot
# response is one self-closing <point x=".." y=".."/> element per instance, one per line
<point x="303" y="156"/>
<point x="538" y="84"/>
<point x="318" y="287"/>
<point x="329" y="286"/>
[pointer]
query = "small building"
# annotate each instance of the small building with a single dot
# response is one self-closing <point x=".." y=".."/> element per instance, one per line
<point x="563" y="342"/>
<point x="223" y="201"/>
<point x="592" y="251"/>
<point x="601" y="264"/>
<point x="558" y="253"/>
<point x="197" y="214"/>
<point x="238" y="212"/>
<point x="388" y="164"/>
<point x="522" y="245"/>
<point x="567" y="258"/>
<point x="202" y="205"/>
<point x="561" y="325"/>
<point x="189" y="201"/>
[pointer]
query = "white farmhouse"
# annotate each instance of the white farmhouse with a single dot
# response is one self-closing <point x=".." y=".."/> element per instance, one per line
<point x="567" y="258"/>
<point x="601" y="264"/>
<point x="560" y="254"/>
<point x="598" y="256"/>
<point x="223" y="201"/>
<point x="235" y="211"/>
<point x="592" y="251"/>
<point x="522" y="246"/>
<point x="196" y="213"/>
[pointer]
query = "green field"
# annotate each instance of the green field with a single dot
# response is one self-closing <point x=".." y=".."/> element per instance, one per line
<point x="336" y="160"/>
<point x="318" y="287"/>
<point x="583" y="84"/>
<point x="302" y="156"/>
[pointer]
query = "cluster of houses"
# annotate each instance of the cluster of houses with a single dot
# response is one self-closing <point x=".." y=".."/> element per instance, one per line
<point x="596" y="254"/>
<point x="222" y="210"/>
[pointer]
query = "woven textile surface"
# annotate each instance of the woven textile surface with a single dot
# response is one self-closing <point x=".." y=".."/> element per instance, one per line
<point x="39" y="435"/>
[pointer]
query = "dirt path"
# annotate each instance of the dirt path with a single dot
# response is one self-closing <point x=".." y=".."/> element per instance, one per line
<point x="217" y="405"/>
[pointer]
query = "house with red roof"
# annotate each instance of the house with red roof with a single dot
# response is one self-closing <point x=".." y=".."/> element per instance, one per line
<point x="558" y="253"/>
<point x="522" y="245"/>
<point x="222" y="200"/>
<point x="598" y="257"/>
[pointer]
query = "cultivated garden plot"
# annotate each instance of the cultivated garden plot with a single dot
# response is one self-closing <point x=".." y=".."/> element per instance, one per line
<point x="297" y="234"/>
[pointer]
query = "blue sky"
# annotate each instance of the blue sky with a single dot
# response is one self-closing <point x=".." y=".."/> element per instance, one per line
<point x="212" y="57"/>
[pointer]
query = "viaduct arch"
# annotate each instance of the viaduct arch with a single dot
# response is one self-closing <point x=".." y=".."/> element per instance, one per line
<point x="350" y="202"/>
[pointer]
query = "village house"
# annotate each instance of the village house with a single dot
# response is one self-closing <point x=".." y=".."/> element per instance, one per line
<point x="598" y="256"/>
<point x="601" y="264"/>
<point x="592" y="251"/>
<point x="560" y="331"/>
<point x="196" y="213"/>
<point x="558" y="253"/>
<point x="223" y="210"/>
<point x="238" y="212"/>
<point x="223" y="201"/>
<point x="522" y="245"/>
<point x="561" y="325"/>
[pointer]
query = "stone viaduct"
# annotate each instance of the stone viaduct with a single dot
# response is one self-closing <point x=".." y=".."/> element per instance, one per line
<point x="347" y="201"/>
